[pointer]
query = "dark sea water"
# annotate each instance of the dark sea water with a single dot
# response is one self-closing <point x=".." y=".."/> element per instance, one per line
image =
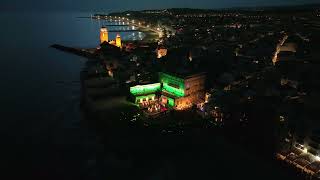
<point x="40" y="94"/>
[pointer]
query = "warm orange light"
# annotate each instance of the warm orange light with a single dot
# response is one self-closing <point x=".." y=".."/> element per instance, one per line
<point x="118" y="41"/>
<point x="104" y="35"/>
<point x="161" y="52"/>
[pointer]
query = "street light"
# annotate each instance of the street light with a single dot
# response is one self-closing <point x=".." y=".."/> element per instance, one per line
<point x="160" y="34"/>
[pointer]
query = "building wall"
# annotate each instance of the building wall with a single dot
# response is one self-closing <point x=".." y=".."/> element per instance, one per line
<point x="172" y="84"/>
<point x="193" y="92"/>
<point x="140" y="99"/>
<point x="118" y="41"/>
<point x="145" y="89"/>
<point x="171" y="102"/>
<point x="188" y="101"/>
<point x="188" y="91"/>
<point x="104" y="36"/>
<point x="183" y="93"/>
<point x="161" y="52"/>
<point x="194" y="84"/>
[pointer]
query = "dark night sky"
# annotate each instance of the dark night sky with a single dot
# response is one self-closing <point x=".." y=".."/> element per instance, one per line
<point x="106" y="5"/>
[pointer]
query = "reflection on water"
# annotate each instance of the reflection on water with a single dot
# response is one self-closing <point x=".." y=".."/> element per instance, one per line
<point x="120" y="26"/>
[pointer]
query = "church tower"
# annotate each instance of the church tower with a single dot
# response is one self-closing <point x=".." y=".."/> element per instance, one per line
<point x="118" y="41"/>
<point x="104" y="36"/>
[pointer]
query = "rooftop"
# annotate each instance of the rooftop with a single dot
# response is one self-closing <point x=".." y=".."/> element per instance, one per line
<point x="184" y="74"/>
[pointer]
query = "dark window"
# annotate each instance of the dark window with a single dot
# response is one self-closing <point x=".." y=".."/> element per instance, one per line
<point x="173" y="85"/>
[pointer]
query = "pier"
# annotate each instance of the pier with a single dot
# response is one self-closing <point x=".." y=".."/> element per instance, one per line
<point x="124" y="20"/>
<point x="129" y="30"/>
<point x="115" y="25"/>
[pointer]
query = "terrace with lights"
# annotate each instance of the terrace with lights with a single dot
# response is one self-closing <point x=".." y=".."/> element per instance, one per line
<point x="172" y="92"/>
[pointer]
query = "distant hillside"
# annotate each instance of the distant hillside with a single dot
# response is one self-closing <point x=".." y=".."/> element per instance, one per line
<point x="277" y="8"/>
<point x="269" y="9"/>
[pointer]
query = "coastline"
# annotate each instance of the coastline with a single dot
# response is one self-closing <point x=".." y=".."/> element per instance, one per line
<point x="150" y="36"/>
<point x="90" y="73"/>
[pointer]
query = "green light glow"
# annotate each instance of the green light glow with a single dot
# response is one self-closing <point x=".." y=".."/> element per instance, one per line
<point x="171" y="84"/>
<point x="172" y="90"/>
<point x="145" y="89"/>
<point x="141" y="98"/>
<point x="171" y="102"/>
<point x="168" y="79"/>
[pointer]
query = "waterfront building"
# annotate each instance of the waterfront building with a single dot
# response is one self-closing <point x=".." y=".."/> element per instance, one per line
<point x="118" y="41"/>
<point x="144" y="93"/>
<point x="174" y="91"/>
<point x="161" y="52"/>
<point x="104" y="35"/>
<point x="182" y="91"/>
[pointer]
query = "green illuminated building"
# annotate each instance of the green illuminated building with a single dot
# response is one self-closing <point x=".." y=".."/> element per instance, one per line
<point x="172" y="84"/>
<point x="145" y="92"/>
<point x="139" y="99"/>
<point x="145" y="89"/>
<point x="175" y="91"/>
<point x="170" y="102"/>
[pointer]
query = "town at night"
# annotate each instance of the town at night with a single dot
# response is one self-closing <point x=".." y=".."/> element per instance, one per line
<point x="161" y="90"/>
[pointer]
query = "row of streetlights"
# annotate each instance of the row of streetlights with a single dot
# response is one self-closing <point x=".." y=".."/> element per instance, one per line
<point x="159" y="31"/>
